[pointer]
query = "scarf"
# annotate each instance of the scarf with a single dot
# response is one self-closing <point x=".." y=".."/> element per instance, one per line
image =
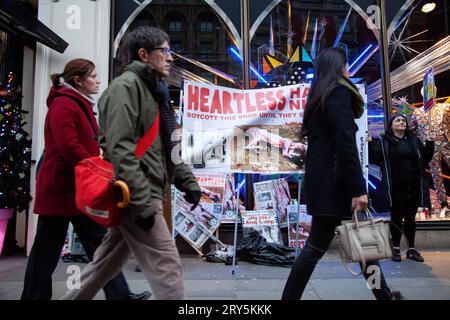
<point x="168" y="122"/>
<point x="357" y="100"/>
<point x="88" y="98"/>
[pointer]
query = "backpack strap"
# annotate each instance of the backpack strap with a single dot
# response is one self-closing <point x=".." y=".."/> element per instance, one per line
<point x="147" y="139"/>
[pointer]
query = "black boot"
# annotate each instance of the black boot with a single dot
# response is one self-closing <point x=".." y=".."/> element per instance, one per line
<point x="397" y="295"/>
<point x="413" y="254"/>
<point x="396" y="255"/>
<point x="138" y="296"/>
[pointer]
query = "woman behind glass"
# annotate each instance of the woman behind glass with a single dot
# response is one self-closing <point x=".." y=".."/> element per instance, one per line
<point x="402" y="158"/>
<point x="334" y="182"/>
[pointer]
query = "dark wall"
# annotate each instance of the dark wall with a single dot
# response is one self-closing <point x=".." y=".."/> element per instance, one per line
<point x="11" y="58"/>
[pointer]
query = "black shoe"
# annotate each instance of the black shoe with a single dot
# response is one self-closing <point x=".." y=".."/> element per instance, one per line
<point x="137" y="269"/>
<point x="396" y="255"/>
<point x="397" y="295"/>
<point x="138" y="296"/>
<point x="413" y="254"/>
<point x="12" y="250"/>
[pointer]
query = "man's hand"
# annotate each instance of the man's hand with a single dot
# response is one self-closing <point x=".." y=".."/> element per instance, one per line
<point x="193" y="197"/>
<point x="360" y="203"/>
<point x="145" y="223"/>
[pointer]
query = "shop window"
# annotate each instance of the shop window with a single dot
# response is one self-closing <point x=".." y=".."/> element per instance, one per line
<point x="207" y="76"/>
<point x="206" y="47"/>
<point x="175" y="26"/>
<point x="176" y="46"/>
<point x="206" y="26"/>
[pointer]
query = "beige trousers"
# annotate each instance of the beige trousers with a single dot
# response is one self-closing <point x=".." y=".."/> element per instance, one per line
<point x="154" y="250"/>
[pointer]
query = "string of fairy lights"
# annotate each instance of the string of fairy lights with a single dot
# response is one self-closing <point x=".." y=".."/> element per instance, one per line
<point x="15" y="149"/>
<point x="6" y="112"/>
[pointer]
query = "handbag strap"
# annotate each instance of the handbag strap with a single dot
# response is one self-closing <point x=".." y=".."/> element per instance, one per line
<point x="358" y="247"/>
<point x="344" y="260"/>
<point x="368" y="214"/>
<point x="147" y="139"/>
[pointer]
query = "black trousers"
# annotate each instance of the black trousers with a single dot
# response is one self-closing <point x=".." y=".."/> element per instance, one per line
<point x="404" y="208"/>
<point x="48" y="243"/>
<point x="320" y="237"/>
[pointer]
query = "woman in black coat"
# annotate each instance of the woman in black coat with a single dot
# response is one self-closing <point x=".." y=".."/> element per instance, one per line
<point x="402" y="156"/>
<point x="334" y="182"/>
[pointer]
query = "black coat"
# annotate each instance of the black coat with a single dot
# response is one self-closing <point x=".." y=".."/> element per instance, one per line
<point x="333" y="174"/>
<point x="380" y="153"/>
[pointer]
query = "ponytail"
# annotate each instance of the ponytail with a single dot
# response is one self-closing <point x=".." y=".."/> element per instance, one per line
<point x="81" y="68"/>
<point x="56" y="79"/>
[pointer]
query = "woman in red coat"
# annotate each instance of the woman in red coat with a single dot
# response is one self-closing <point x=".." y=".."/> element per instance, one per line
<point x="70" y="134"/>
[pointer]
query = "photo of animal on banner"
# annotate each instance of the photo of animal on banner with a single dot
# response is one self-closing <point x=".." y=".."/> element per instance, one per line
<point x="249" y="131"/>
<point x="231" y="130"/>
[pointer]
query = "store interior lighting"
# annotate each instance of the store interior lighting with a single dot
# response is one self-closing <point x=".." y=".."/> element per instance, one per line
<point x="252" y="68"/>
<point x="428" y="7"/>
<point x="360" y="56"/>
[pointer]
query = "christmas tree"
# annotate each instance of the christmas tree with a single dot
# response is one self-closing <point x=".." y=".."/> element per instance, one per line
<point x="15" y="149"/>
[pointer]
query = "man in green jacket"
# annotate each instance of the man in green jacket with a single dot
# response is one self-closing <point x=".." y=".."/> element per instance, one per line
<point x="127" y="109"/>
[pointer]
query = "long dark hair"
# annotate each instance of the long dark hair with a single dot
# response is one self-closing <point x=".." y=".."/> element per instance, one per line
<point x="80" y="67"/>
<point x="328" y="69"/>
<point x="143" y="37"/>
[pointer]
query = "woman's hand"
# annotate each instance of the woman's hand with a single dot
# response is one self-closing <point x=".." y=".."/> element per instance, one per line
<point x="360" y="203"/>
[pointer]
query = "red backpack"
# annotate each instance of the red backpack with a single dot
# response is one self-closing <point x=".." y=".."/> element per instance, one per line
<point x="98" y="193"/>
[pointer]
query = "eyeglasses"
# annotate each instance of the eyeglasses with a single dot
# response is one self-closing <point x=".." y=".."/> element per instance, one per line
<point x="166" y="51"/>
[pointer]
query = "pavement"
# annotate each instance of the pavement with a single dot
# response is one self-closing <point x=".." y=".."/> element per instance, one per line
<point x="214" y="281"/>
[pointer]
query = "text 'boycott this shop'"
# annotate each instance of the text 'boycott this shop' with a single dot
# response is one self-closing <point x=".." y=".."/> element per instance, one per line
<point x="215" y="104"/>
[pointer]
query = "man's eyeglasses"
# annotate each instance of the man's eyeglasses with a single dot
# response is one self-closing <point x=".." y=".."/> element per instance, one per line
<point x="166" y="51"/>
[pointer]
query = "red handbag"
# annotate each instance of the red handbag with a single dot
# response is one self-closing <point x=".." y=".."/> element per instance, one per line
<point x="98" y="194"/>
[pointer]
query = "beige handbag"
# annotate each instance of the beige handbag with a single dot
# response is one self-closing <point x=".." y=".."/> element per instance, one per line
<point x="362" y="241"/>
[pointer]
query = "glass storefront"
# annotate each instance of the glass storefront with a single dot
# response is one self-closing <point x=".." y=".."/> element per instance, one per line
<point x="286" y="36"/>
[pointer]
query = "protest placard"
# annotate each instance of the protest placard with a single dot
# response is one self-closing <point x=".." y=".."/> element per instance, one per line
<point x="263" y="221"/>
